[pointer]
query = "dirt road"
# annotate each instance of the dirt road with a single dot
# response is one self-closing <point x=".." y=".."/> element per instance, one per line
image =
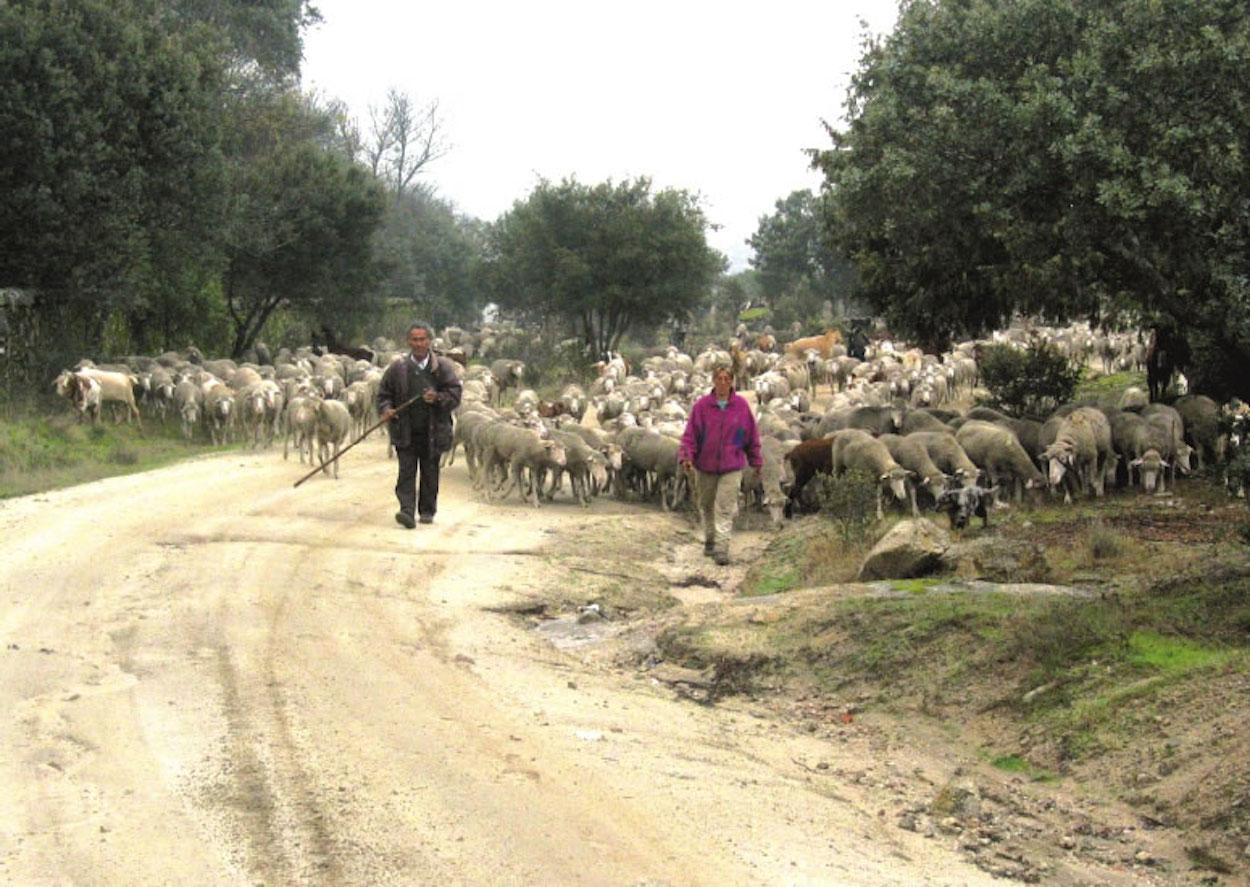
<point x="208" y="677"/>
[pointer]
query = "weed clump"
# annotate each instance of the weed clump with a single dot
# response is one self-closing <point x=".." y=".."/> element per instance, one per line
<point x="1104" y="543"/>
<point x="850" y="501"/>
<point x="123" y="456"/>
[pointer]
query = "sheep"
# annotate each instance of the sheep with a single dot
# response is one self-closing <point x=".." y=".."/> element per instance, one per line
<point x="856" y="450"/>
<point x="875" y="420"/>
<point x="161" y="390"/>
<point x="242" y="378"/>
<point x="912" y="455"/>
<point x="86" y="396"/>
<point x="996" y="450"/>
<point x="1082" y="445"/>
<point x="1169" y="422"/>
<point x="654" y="457"/>
<point x="537" y="456"/>
<point x="948" y="455"/>
<point x="359" y="400"/>
<point x="610" y="450"/>
<point x="462" y="436"/>
<point x="1140" y="445"/>
<point x="799" y="371"/>
<point x="219" y="409"/>
<point x="923" y="420"/>
<point x="251" y="403"/>
<point x="1201" y="416"/>
<point x="769" y="386"/>
<point x="574" y="400"/>
<point x="526" y="402"/>
<point x="1134" y="399"/>
<point x="116" y="387"/>
<point x="506" y="374"/>
<point x="300" y="425"/>
<point x="765" y="485"/>
<point x="586" y="467"/>
<point x="496" y="444"/>
<point x="333" y="425"/>
<point x="188" y="400"/>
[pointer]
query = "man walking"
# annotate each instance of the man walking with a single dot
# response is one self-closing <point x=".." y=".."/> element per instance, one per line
<point x="721" y="439"/>
<point x="422" y="431"/>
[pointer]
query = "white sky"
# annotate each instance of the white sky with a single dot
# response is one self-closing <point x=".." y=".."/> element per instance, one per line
<point x="716" y="98"/>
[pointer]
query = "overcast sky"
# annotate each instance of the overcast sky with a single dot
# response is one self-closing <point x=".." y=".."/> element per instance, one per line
<point x="718" y="99"/>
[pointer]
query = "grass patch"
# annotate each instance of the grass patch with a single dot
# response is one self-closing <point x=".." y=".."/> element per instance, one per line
<point x="914" y="586"/>
<point x="811" y="552"/>
<point x="1107" y="387"/>
<point x="775" y="583"/>
<point x="39" y="453"/>
<point x="1173" y="655"/>
<point x="1018" y="765"/>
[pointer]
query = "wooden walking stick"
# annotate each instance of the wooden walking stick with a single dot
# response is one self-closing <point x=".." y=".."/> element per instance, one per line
<point x="372" y="428"/>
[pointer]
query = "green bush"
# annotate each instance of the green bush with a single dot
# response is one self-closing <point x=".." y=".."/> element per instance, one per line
<point x="1032" y="382"/>
<point x="850" y="501"/>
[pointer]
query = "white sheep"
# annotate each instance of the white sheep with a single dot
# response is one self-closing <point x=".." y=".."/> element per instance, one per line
<point x="334" y="424"/>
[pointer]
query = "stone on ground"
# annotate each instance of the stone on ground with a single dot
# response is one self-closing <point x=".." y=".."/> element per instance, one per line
<point x="910" y="549"/>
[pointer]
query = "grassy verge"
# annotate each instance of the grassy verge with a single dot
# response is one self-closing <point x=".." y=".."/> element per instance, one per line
<point x="39" y="453"/>
<point x="1168" y="610"/>
<point x="1108" y="387"/>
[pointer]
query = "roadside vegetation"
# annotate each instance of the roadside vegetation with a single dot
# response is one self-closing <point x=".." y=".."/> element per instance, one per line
<point x="46" y="450"/>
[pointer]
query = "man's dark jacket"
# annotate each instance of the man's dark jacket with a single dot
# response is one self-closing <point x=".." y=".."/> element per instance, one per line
<point x="394" y="391"/>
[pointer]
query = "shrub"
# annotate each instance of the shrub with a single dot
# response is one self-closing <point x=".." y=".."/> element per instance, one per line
<point x="1103" y="542"/>
<point x="850" y="501"/>
<point x="1032" y="382"/>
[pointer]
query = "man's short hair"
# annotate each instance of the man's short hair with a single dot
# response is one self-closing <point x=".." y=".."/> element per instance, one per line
<point x="722" y="368"/>
<point x="418" y="325"/>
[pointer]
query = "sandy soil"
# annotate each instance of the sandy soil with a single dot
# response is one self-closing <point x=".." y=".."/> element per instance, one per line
<point x="209" y="677"/>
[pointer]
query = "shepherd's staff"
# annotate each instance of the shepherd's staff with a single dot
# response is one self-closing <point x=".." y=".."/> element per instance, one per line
<point x="372" y="428"/>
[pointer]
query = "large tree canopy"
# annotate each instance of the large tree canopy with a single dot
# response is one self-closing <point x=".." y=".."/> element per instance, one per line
<point x="112" y="169"/>
<point x="1052" y="156"/>
<point x="606" y="258"/>
<point x="301" y="219"/>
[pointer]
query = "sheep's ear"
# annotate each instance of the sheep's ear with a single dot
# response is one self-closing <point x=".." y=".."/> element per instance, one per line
<point x="1136" y="463"/>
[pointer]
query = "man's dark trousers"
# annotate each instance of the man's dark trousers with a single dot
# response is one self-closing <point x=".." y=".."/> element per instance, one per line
<point x="425" y="501"/>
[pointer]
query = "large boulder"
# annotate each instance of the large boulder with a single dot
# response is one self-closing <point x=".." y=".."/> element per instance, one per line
<point x="994" y="559"/>
<point x="911" y="548"/>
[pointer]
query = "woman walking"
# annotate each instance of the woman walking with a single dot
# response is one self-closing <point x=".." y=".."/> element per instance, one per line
<point x="720" y="440"/>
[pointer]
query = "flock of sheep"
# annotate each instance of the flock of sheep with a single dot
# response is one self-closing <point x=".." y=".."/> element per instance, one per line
<point x="887" y="412"/>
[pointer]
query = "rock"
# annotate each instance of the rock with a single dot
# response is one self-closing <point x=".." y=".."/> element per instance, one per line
<point x="1067" y="842"/>
<point x="911" y="548"/>
<point x="1141" y="857"/>
<point x="997" y="560"/>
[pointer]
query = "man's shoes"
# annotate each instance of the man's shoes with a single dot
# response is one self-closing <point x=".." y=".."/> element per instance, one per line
<point x="721" y="559"/>
<point x="709" y="548"/>
<point x="426" y="518"/>
<point x="404" y="519"/>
